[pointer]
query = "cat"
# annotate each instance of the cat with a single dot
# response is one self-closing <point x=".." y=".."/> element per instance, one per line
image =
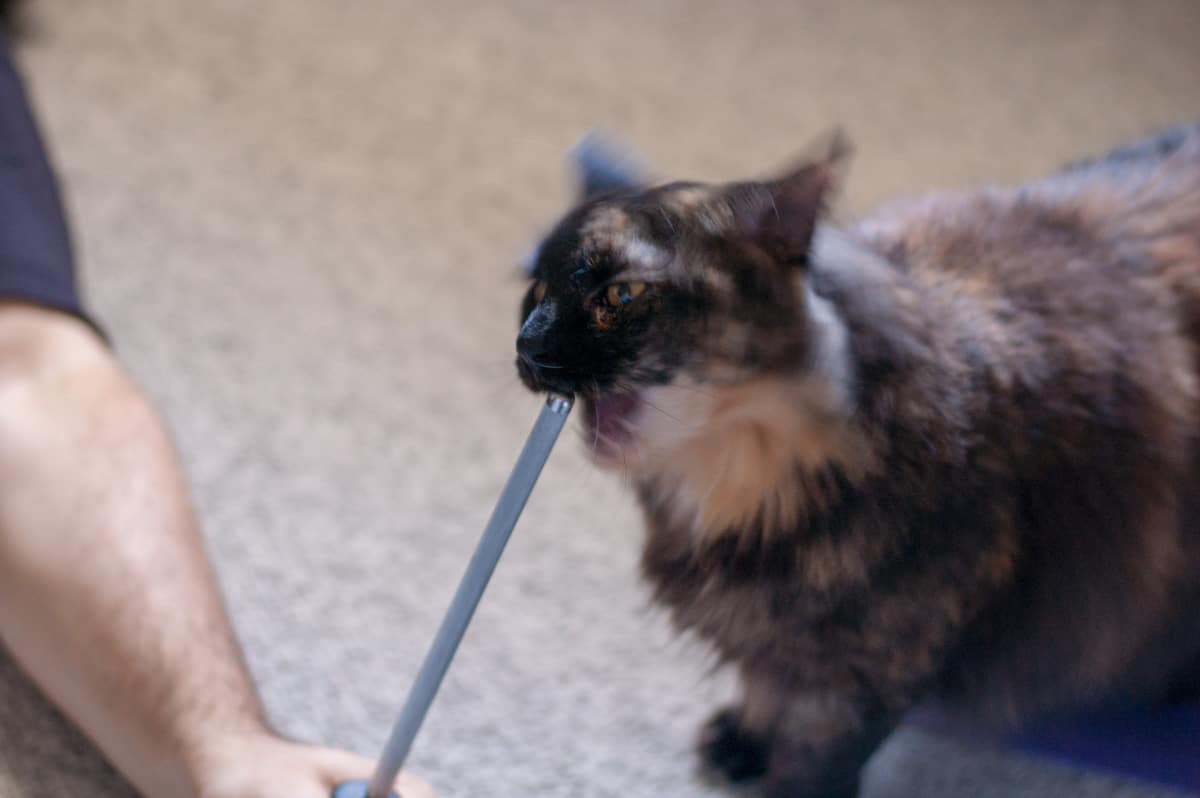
<point x="950" y="451"/>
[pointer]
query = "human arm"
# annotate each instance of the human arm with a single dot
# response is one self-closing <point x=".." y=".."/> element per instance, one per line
<point x="106" y="596"/>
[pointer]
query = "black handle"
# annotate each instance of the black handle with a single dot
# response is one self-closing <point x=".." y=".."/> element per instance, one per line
<point x="354" y="789"/>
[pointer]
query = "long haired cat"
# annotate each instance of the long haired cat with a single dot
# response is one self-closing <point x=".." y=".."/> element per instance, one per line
<point x="950" y="451"/>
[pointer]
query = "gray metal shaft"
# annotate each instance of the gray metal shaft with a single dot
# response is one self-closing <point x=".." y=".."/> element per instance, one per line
<point x="508" y="509"/>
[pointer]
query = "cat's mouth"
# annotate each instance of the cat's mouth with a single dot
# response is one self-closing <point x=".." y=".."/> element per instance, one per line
<point x="610" y="422"/>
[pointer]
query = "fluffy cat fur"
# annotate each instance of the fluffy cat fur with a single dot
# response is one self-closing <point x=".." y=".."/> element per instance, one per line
<point x="949" y="451"/>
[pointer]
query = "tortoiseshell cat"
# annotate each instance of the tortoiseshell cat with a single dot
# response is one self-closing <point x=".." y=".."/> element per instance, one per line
<point x="950" y="451"/>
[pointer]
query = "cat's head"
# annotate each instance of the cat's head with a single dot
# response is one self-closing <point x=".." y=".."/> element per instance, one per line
<point x="688" y="285"/>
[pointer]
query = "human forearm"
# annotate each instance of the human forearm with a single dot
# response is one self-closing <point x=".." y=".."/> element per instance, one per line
<point x="106" y="597"/>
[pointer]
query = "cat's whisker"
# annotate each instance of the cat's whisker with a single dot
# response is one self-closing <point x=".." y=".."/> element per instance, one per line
<point x="666" y="217"/>
<point x="535" y="362"/>
<point x="653" y="406"/>
<point x="697" y="389"/>
<point x="715" y="482"/>
<point x="595" y="428"/>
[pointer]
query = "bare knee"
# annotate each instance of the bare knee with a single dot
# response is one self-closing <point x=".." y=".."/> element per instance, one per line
<point x="37" y="344"/>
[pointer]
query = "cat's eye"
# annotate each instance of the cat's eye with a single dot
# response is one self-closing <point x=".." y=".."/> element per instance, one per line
<point x="619" y="294"/>
<point x="539" y="290"/>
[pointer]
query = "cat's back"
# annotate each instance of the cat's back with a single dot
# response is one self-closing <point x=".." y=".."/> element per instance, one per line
<point x="1130" y="213"/>
<point x="1091" y="271"/>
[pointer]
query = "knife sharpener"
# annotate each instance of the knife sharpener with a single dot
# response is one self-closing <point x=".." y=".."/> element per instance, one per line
<point x="470" y="589"/>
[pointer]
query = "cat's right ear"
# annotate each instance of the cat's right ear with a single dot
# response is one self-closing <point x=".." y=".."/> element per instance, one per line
<point x="782" y="214"/>
<point x="602" y="166"/>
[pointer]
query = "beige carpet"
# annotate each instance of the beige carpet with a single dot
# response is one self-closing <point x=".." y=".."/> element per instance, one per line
<point x="300" y="222"/>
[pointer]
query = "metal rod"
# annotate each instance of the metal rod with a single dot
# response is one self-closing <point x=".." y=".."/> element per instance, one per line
<point x="495" y="535"/>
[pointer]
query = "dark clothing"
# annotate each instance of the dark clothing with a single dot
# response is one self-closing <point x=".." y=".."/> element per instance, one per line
<point x="36" y="263"/>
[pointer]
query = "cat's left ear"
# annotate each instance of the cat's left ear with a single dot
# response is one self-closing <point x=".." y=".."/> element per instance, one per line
<point x="781" y="215"/>
<point x="600" y="166"/>
<point x="603" y="166"/>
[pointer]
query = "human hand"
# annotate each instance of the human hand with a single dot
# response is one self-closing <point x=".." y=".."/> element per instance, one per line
<point x="271" y="767"/>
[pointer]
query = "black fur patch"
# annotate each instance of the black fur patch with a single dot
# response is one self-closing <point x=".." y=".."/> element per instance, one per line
<point x="732" y="752"/>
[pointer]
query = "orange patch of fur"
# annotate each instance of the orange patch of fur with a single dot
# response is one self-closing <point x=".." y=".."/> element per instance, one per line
<point x="747" y="456"/>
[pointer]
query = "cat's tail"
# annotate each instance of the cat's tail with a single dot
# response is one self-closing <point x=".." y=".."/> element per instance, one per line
<point x="1147" y="152"/>
<point x="1144" y="197"/>
<point x="1153" y="184"/>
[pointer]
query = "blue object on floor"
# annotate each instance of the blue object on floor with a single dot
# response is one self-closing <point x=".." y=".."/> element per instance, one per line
<point x="1160" y="745"/>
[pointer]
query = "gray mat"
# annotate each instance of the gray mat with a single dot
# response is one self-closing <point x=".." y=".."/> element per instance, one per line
<point x="300" y="222"/>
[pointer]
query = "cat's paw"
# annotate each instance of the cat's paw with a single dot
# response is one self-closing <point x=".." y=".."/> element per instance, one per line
<point x="731" y="752"/>
<point x="786" y="786"/>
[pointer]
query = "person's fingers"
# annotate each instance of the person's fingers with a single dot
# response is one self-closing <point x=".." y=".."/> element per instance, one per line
<point x="409" y="786"/>
<point x="343" y="765"/>
<point x="339" y="766"/>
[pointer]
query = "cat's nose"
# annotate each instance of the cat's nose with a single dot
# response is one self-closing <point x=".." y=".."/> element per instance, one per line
<point x="532" y="348"/>
<point x="537" y="368"/>
<point x="534" y="353"/>
<point x="535" y="330"/>
<point x="538" y="355"/>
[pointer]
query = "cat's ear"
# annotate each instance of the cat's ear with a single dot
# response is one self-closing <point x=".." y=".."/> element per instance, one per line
<point x="601" y="166"/>
<point x="781" y="215"/>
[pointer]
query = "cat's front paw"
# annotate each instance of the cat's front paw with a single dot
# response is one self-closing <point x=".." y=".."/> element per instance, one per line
<point x="731" y="752"/>
<point x="802" y="785"/>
